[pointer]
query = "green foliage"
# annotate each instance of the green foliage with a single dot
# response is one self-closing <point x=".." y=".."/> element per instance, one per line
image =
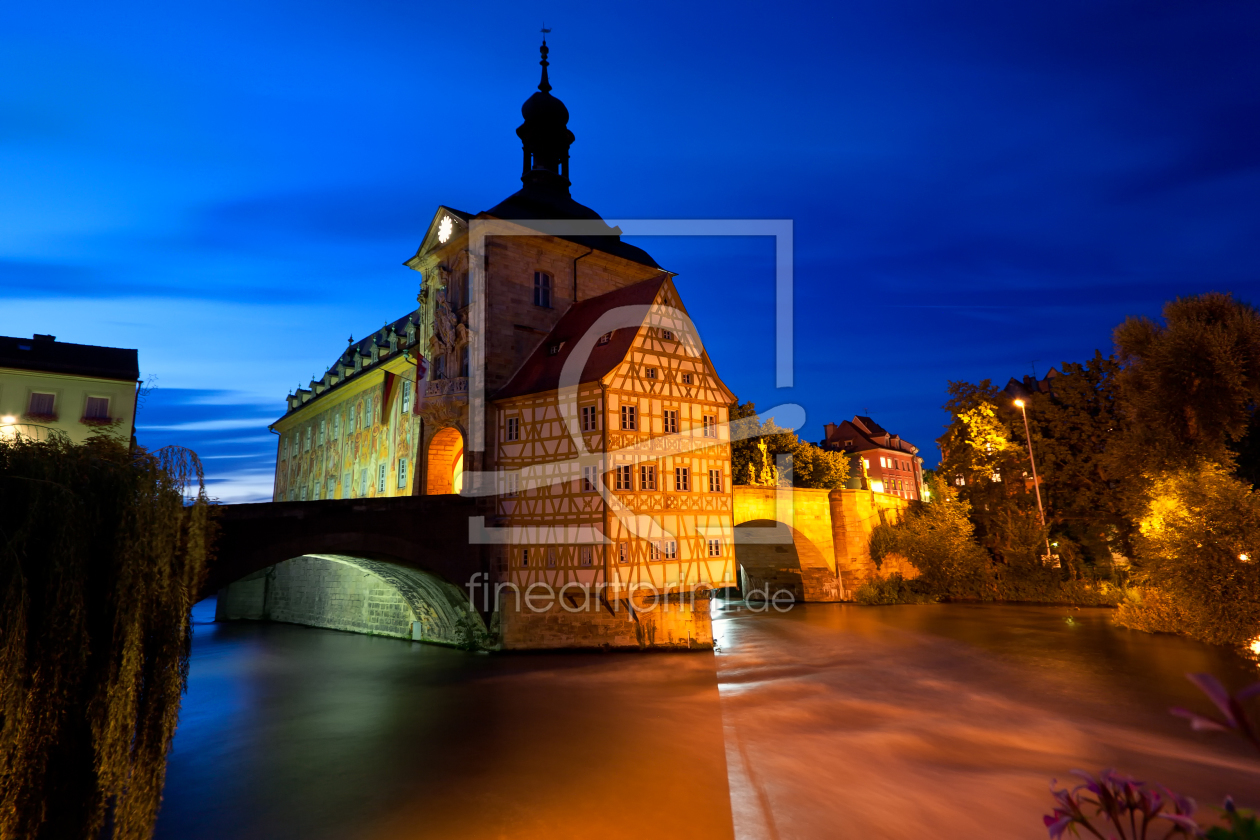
<point x="894" y="589"/>
<point x="1199" y="524"/>
<point x="100" y="562"/>
<point x="812" y="466"/>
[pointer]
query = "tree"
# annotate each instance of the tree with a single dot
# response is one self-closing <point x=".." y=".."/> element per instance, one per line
<point x="812" y="467"/>
<point x="1190" y="385"/>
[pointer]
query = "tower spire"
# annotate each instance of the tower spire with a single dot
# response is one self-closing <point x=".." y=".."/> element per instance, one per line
<point x="544" y="85"/>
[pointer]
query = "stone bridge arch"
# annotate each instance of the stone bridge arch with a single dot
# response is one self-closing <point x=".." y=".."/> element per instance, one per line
<point x="784" y="540"/>
<point x="355" y="594"/>
<point x="291" y="561"/>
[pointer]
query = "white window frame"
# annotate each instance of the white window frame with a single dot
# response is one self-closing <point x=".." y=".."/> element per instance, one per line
<point x="402" y="473"/>
<point x="380" y="478"/>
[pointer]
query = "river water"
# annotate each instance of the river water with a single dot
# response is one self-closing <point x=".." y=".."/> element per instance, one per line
<point x="830" y="721"/>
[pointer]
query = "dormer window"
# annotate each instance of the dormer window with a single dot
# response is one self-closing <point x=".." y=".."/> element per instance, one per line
<point x="411" y="335"/>
<point x="376" y="354"/>
<point x="358" y="363"/>
<point x="393" y="343"/>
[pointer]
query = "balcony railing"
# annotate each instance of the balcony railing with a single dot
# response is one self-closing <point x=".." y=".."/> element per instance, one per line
<point x="445" y="387"/>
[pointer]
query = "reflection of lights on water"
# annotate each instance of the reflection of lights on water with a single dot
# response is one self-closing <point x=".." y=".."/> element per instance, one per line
<point x="8" y="420"/>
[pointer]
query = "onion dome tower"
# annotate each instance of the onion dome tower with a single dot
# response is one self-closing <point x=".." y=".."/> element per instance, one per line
<point x="545" y="136"/>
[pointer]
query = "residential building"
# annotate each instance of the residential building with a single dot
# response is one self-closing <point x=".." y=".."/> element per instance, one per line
<point x="891" y="465"/>
<point x="76" y="389"/>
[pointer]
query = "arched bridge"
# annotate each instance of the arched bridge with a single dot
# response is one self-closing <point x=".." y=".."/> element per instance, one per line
<point x="393" y="566"/>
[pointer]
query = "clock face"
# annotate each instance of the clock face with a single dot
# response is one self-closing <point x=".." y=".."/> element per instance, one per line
<point x="445" y="228"/>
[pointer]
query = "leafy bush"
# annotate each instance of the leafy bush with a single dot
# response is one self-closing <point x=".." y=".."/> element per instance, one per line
<point x="1197" y="550"/>
<point x="894" y="589"/>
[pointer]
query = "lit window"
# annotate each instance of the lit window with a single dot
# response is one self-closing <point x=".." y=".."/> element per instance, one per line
<point x="589" y="475"/>
<point x="97" y="408"/>
<point x="380" y="479"/>
<point x="715" y="548"/>
<point x="513" y="428"/>
<point x="682" y="478"/>
<point x="650" y="373"/>
<point x="710" y="426"/>
<point x="623" y="478"/>
<point x="647" y="477"/>
<point x="41" y="405"/>
<point x="715" y="481"/>
<point x="588" y="418"/>
<point x="671" y="422"/>
<point x="605" y="338"/>
<point x="960" y="481"/>
<point x="542" y="289"/>
<point x="587" y="554"/>
<point x="628" y="419"/>
<point x="554" y="350"/>
<point x="402" y="473"/>
<point x="686" y="379"/>
<point x="670" y="549"/>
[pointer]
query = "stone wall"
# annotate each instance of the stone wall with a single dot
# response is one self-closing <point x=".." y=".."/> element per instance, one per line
<point x="671" y="624"/>
<point x="854" y="514"/>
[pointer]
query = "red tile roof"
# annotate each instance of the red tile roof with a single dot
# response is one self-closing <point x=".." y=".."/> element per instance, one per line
<point x="541" y="371"/>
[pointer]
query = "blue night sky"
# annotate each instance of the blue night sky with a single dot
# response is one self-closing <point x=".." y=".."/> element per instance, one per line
<point x="232" y="187"/>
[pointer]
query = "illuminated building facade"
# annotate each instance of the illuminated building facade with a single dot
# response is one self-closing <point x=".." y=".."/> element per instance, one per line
<point x="892" y="465"/>
<point x="75" y="389"/>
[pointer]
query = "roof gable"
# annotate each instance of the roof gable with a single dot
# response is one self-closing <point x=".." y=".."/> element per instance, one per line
<point x="432" y="238"/>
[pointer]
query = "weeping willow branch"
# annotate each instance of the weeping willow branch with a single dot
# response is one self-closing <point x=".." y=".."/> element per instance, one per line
<point x="102" y="549"/>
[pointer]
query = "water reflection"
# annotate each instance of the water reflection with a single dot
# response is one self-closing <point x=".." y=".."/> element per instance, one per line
<point x="948" y="721"/>
<point x="829" y="721"/>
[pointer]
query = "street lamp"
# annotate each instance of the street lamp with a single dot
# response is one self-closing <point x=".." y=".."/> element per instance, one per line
<point x="1036" y="484"/>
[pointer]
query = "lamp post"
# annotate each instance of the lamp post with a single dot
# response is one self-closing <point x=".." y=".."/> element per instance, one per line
<point x="1036" y="484"/>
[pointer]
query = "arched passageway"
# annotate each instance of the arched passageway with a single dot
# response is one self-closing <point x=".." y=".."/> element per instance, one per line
<point x="774" y="556"/>
<point x="358" y="595"/>
<point x="446" y="463"/>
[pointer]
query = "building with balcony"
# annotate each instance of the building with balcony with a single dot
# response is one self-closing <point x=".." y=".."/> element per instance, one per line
<point x="76" y="389"/>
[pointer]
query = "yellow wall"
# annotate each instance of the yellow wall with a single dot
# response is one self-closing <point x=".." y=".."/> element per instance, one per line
<point x="71" y="393"/>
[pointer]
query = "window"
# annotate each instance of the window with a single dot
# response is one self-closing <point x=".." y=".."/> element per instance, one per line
<point x="623" y="552"/>
<point x="667" y="335"/>
<point x="542" y="289"/>
<point x="554" y="349"/>
<point x="380" y="479"/>
<point x="306" y="446"/>
<point x="513" y="428"/>
<point x="605" y="338"/>
<point x="866" y="462"/>
<point x="883" y="462"/>
<point x="315" y="493"/>
<point x="322" y="428"/>
<point x="670" y="550"/>
<point x="588" y="418"/>
<point x="292" y="494"/>
<point x="551" y="557"/>
<point x="647" y="477"/>
<point x="511" y="482"/>
<point x="402" y="473"/>
<point x="650" y="373"/>
<point x="682" y="478"/>
<point x="336" y="426"/>
<point x="623" y="478"/>
<point x="848" y="443"/>
<point x="960" y="481"/>
<point x="628" y="420"/>
<point x="710" y="426"/>
<point x="363" y="483"/>
<point x="715" y="481"/>
<point x="715" y="548"/>
<point x="97" y="408"/>
<point x="304" y="492"/>
<point x="654" y="551"/>
<point x="686" y="378"/>
<point x="332" y="487"/>
<point x="587" y="554"/>
<point x="404" y="405"/>
<point x="368" y="417"/>
<point x="41" y="405"/>
<point x="524" y="556"/>
<point x="588" y="479"/>
<point x="671" y="422"/>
